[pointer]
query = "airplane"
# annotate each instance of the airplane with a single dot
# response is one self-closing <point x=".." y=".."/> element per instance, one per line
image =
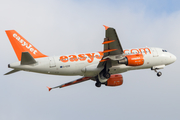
<point x="103" y="67"/>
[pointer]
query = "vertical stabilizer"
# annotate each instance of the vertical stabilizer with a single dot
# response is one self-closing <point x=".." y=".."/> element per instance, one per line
<point x="20" y="45"/>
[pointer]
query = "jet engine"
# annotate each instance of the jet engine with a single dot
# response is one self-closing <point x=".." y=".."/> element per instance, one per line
<point x="115" y="80"/>
<point x="132" y="60"/>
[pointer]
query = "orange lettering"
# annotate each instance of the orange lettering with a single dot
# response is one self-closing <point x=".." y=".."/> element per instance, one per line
<point x="99" y="56"/>
<point x="144" y="49"/>
<point x="82" y="57"/>
<point x="64" y="58"/>
<point x="134" y="50"/>
<point x="125" y="51"/>
<point x="91" y="57"/>
<point x="73" y="58"/>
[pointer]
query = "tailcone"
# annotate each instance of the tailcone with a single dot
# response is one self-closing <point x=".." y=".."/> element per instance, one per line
<point x="15" y="65"/>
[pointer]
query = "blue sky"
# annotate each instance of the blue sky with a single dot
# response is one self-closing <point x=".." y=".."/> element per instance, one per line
<point x="159" y="7"/>
<point x="59" y="27"/>
<point x="155" y="7"/>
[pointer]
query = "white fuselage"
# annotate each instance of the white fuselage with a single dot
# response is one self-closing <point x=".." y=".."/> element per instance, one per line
<point x="86" y="64"/>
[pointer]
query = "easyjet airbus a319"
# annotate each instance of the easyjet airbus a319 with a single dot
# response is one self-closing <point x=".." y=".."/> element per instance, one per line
<point x="102" y="67"/>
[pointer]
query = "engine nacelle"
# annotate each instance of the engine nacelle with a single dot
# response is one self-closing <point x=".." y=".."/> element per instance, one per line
<point x="115" y="80"/>
<point x="132" y="60"/>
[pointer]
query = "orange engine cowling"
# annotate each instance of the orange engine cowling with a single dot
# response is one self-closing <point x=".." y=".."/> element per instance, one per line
<point x="133" y="60"/>
<point x="115" y="80"/>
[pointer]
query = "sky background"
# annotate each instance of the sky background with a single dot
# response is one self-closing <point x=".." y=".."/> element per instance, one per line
<point x="60" y="27"/>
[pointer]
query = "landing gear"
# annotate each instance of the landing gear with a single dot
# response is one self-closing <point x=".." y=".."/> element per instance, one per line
<point x="107" y="75"/>
<point x="98" y="84"/>
<point x="102" y="77"/>
<point x="159" y="74"/>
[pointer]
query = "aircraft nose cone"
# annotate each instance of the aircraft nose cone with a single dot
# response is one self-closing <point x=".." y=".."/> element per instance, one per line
<point x="173" y="57"/>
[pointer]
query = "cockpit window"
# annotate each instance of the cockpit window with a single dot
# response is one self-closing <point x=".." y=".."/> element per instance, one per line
<point x="164" y="50"/>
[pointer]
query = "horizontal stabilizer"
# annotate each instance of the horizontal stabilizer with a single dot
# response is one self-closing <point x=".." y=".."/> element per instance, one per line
<point x="12" y="71"/>
<point x="27" y="59"/>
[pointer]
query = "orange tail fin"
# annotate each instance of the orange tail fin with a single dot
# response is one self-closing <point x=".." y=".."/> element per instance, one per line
<point x="20" y="45"/>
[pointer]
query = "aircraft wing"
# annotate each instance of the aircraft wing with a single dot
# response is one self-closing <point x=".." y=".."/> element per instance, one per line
<point x="71" y="83"/>
<point x="112" y="48"/>
<point x="111" y="42"/>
